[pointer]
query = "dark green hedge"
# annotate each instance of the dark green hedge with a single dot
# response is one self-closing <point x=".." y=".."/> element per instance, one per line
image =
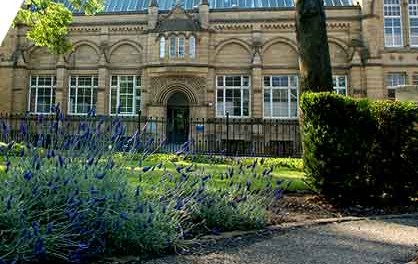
<point x="360" y="151"/>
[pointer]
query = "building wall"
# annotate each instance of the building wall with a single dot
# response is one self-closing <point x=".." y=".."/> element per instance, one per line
<point x="248" y="42"/>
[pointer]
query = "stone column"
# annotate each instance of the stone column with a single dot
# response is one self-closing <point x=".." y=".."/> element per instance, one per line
<point x="61" y="85"/>
<point x="211" y="93"/>
<point x="357" y="86"/>
<point x="375" y="78"/>
<point x="6" y="86"/>
<point x="103" y="93"/>
<point x="256" y="92"/>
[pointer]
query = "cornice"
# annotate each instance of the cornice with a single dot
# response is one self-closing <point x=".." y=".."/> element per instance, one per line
<point x="126" y="28"/>
<point x="86" y="28"/>
<point x="287" y="26"/>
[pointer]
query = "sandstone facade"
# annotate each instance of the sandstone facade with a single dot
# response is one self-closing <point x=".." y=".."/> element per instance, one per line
<point x="250" y="43"/>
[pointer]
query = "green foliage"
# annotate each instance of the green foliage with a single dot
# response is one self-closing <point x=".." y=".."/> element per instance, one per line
<point x="75" y="198"/>
<point x="360" y="151"/>
<point x="48" y="21"/>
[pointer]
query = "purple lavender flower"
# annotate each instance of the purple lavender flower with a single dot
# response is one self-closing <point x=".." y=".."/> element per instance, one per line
<point x="124" y="216"/>
<point x="61" y="161"/>
<point x="100" y="175"/>
<point x="278" y="193"/>
<point x="9" y="203"/>
<point x="39" y="249"/>
<point x="8" y="166"/>
<point x="206" y="178"/>
<point x="35" y="227"/>
<point x="49" y="228"/>
<point x="90" y="161"/>
<point x="146" y="168"/>
<point x="28" y="175"/>
<point x="248" y="184"/>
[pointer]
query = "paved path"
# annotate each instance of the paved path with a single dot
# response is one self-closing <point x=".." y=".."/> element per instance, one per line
<point x="377" y="242"/>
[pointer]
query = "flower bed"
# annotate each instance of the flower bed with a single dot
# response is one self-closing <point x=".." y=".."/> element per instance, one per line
<point x="66" y="198"/>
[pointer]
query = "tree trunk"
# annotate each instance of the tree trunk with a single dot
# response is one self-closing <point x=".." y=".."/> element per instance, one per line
<point x="311" y="34"/>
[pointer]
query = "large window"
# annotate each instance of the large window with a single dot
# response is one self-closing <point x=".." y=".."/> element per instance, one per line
<point x="162" y="47"/>
<point x="180" y="47"/>
<point x="281" y="96"/>
<point x="173" y="47"/>
<point x="393" y="24"/>
<point x="233" y="96"/>
<point x="192" y="47"/>
<point x="83" y="94"/>
<point x="340" y="84"/>
<point x="393" y="81"/>
<point x="177" y="47"/>
<point x="413" y="22"/>
<point x="125" y="95"/>
<point x="41" y="94"/>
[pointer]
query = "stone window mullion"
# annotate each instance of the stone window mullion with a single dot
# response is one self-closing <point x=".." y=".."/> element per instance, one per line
<point x="405" y="22"/>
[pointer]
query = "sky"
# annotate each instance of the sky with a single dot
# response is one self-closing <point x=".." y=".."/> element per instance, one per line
<point x="8" y="12"/>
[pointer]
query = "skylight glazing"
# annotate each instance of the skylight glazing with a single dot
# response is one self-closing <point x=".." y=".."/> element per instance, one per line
<point x="116" y="6"/>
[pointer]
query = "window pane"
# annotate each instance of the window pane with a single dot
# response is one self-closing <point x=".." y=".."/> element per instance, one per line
<point x="42" y="94"/>
<point x="162" y="47"/>
<point x="392" y="23"/>
<point x="192" y="47"/>
<point x="281" y="100"/>
<point x="173" y="47"/>
<point x="83" y="94"/>
<point x="127" y="96"/>
<point x="220" y="81"/>
<point x="181" y="47"/>
<point x="235" y="99"/>
<point x="413" y="22"/>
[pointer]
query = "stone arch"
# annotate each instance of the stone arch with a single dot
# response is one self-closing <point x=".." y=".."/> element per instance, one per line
<point x="85" y="53"/>
<point x="338" y="52"/>
<point x="235" y="52"/>
<point x="125" y="53"/>
<point x="281" y="51"/>
<point x="40" y="57"/>
<point x="237" y="41"/>
<point x="174" y="88"/>
<point x="283" y="40"/>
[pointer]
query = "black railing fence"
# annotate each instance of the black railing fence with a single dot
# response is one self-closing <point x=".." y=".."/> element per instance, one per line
<point x="217" y="136"/>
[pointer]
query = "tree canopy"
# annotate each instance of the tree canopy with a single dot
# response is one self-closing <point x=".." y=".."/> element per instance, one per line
<point x="48" y="21"/>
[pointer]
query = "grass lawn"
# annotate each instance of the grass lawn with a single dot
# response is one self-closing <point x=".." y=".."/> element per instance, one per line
<point x="289" y="170"/>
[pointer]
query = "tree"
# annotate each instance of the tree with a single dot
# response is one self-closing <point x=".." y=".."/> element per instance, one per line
<point x="48" y="21"/>
<point x="311" y="34"/>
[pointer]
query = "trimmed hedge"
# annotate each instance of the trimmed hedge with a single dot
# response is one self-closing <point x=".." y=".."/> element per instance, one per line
<point x="360" y="151"/>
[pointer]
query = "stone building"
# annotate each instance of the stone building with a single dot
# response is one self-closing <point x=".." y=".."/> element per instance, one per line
<point x="206" y="59"/>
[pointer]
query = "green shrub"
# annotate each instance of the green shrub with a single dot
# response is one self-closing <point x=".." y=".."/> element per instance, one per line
<point x="72" y="201"/>
<point x="360" y="151"/>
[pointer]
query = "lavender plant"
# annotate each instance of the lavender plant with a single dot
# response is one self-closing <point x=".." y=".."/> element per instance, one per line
<point x="64" y="196"/>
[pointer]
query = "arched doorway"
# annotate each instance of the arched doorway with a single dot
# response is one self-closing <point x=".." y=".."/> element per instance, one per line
<point x="177" y="118"/>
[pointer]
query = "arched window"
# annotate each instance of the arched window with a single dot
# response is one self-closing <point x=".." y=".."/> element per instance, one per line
<point x="173" y="46"/>
<point x="192" y="47"/>
<point x="181" y="49"/>
<point x="162" y="47"/>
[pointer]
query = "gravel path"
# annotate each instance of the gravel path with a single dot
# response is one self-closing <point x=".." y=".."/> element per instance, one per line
<point x="378" y="242"/>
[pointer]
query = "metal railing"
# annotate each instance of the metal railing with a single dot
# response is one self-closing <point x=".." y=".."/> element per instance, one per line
<point x="217" y="136"/>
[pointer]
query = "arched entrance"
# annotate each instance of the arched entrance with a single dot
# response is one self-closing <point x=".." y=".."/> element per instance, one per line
<point x="177" y="118"/>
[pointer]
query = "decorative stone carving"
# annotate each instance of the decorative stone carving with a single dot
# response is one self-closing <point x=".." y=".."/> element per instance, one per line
<point x="193" y="86"/>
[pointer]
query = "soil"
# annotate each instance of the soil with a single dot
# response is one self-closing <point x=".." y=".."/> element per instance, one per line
<point x="301" y="207"/>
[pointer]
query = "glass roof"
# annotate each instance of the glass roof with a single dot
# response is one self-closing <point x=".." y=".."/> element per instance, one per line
<point x="115" y="6"/>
